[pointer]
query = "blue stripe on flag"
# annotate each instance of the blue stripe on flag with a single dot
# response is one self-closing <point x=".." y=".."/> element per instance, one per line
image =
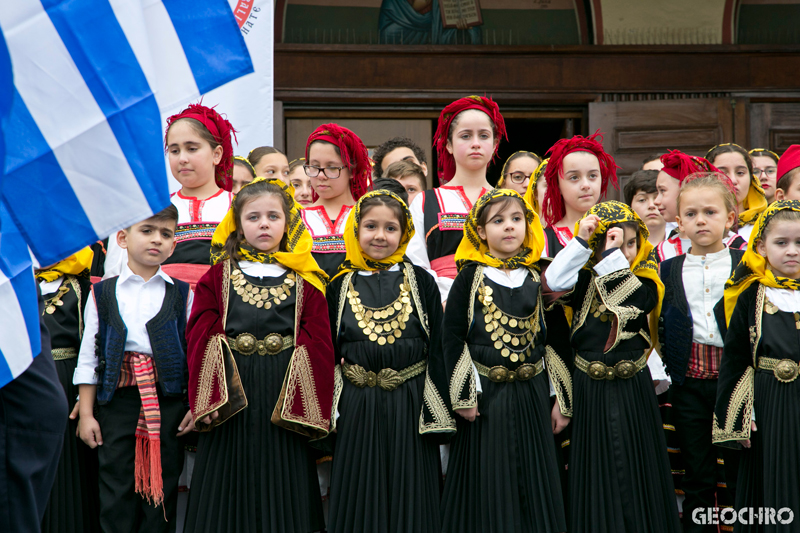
<point x="6" y="97"/>
<point x="38" y="193"/>
<point x="211" y="40"/>
<point x="98" y="46"/>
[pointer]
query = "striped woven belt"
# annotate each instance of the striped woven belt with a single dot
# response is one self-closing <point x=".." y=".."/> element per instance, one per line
<point x="248" y="344"/>
<point x="59" y="354"/>
<point x="501" y="374"/>
<point x="387" y="379"/>
<point x="599" y="370"/>
<point x="785" y="370"/>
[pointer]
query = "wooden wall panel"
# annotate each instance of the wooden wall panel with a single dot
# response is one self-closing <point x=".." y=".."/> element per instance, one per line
<point x="774" y="125"/>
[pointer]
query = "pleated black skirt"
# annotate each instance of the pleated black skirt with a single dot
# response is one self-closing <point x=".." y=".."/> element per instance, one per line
<point x="74" y="500"/>
<point x="769" y="473"/>
<point x="503" y="475"/>
<point x="251" y="476"/>
<point x="386" y="476"/>
<point x="620" y="479"/>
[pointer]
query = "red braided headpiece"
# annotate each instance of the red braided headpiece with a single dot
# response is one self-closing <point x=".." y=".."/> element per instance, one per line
<point x="354" y="156"/>
<point x="221" y="130"/>
<point x="554" y="208"/>
<point x="679" y="165"/>
<point x="447" y="164"/>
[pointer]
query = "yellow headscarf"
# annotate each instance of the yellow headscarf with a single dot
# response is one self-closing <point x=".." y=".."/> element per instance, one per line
<point x="472" y="248"/>
<point x="72" y="265"/>
<point x="356" y="258"/>
<point x="644" y="265"/>
<point x="298" y="243"/>
<point x="502" y="179"/>
<point x="753" y="267"/>
<point x="530" y="194"/>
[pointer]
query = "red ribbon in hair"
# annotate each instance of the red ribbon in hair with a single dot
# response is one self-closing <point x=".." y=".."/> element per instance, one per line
<point x="354" y="156"/>
<point x="679" y="165"/>
<point x="447" y="164"/>
<point x="553" y="206"/>
<point x="221" y="130"/>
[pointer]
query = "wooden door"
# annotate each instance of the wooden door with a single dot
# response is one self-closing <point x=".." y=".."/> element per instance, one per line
<point x="775" y="126"/>
<point x="634" y="130"/>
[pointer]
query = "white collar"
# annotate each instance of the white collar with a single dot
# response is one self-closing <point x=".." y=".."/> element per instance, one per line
<point x="127" y="274"/>
<point x="512" y="279"/>
<point x="262" y="270"/>
<point x="394" y="268"/>
<point x="710" y="257"/>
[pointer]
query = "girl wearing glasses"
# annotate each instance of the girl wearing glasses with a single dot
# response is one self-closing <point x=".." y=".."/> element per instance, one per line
<point x="518" y="171"/>
<point x="466" y="141"/>
<point x="338" y="165"/>
<point x="765" y="169"/>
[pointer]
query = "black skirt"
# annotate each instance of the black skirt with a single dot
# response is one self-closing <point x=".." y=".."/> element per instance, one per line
<point x="769" y="473"/>
<point x="250" y="475"/>
<point x="74" y="500"/>
<point x="620" y="478"/>
<point x="503" y="474"/>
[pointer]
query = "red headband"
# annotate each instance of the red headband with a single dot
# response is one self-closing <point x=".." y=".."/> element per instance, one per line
<point x="447" y="164"/>
<point x="790" y="160"/>
<point x="354" y="156"/>
<point x="554" y="208"/>
<point x="679" y="165"/>
<point x="221" y="130"/>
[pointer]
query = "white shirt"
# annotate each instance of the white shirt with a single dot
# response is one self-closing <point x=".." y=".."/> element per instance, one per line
<point x="139" y="301"/>
<point x="704" y="278"/>
<point x="745" y="231"/>
<point x="262" y="270"/>
<point x="562" y="274"/>
<point x="785" y="299"/>
<point x="49" y="287"/>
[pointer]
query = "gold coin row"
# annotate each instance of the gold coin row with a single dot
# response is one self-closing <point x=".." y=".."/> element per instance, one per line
<point x="55" y="301"/>
<point x="382" y="332"/>
<point x="600" y="311"/>
<point x="771" y="308"/>
<point x="504" y="340"/>
<point x="262" y="296"/>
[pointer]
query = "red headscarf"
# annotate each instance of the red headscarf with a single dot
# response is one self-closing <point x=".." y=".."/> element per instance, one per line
<point x="447" y="165"/>
<point x="221" y="130"/>
<point x="554" y="208"/>
<point x="354" y="156"/>
<point x="679" y="165"/>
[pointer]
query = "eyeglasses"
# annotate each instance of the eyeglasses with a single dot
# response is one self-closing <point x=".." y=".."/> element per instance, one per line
<point x="330" y="172"/>
<point x="769" y="171"/>
<point x="518" y="177"/>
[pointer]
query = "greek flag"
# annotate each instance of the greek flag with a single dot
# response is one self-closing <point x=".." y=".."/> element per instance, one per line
<point x="83" y="138"/>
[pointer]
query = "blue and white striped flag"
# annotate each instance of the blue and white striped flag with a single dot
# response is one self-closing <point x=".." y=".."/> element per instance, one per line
<point x="84" y="153"/>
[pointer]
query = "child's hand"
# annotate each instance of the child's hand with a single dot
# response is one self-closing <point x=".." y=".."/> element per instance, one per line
<point x="75" y="410"/>
<point x="557" y="420"/>
<point x="469" y="414"/>
<point x="208" y="418"/>
<point x="587" y="226"/>
<point x="186" y="426"/>
<point x="614" y="238"/>
<point x="89" y="431"/>
<point x="746" y="442"/>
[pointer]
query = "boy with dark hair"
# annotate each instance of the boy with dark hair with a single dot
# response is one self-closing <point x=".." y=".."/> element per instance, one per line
<point x="652" y="162"/>
<point x="410" y="175"/>
<point x="132" y="360"/>
<point x="398" y="149"/>
<point x="640" y="193"/>
<point x="788" y="186"/>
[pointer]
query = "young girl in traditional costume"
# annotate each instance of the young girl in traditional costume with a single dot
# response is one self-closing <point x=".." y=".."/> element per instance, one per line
<point x="518" y="171"/>
<point x="386" y="316"/>
<point x="734" y="161"/>
<point x="269" y="163"/>
<point x="578" y="174"/>
<point x="466" y="141"/>
<point x="691" y="333"/>
<point x="503" y="474"/>
<point x="338" y="164"/>
<point x="300" y="183"/>
<point x="619" y="471"/>
<point x="765" y="169"/>
<point x="65" y="286"/>
<point x="758" y="393"/>
<point x="260" y="370"/>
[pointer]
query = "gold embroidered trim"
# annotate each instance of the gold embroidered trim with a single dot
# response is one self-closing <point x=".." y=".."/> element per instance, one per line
<point x="411" y="278"/>
<point x="338" y="385"/>
<point x="226" y="291"/>
<point x="61" y="354"/>
<point x="561" y="380"/>
<point x="741" y="403"/>
<point x="588" y="299"/>
<point x="462" y="373"/>
<point x="755" y="335"/>
<point x="77" y="288"/>
<point x="614" y="298"/>
<point x="300" y="376"/>
<point x="342" y="300"/>
<point x="213" y="367"/>
<point x="434" y="404"/>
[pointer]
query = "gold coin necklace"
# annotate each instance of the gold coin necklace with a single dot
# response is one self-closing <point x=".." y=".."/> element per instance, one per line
<point x="51" y="304"/>
<point x="382" y="324"/>
<point x="516" y="345"/>
<point x="262" y="296"/>
<point x="771" y="308"/>
<point x="600" y="311"/>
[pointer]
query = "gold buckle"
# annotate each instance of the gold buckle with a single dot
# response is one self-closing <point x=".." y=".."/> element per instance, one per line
<point x="498" y="374"/>
<point x="272" y="344"/>
<point x="786" y="371"/>
<point x="501" y="374"/>
<point x="246" y="343"/>
<point x="388" y="379"/>
<point x="599" y="370"/>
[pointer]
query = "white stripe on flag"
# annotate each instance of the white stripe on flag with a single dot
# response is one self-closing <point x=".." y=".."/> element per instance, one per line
<point x="69" y="118"/>
<point x="167" y="69"/>
<point x="14" y="342"/>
